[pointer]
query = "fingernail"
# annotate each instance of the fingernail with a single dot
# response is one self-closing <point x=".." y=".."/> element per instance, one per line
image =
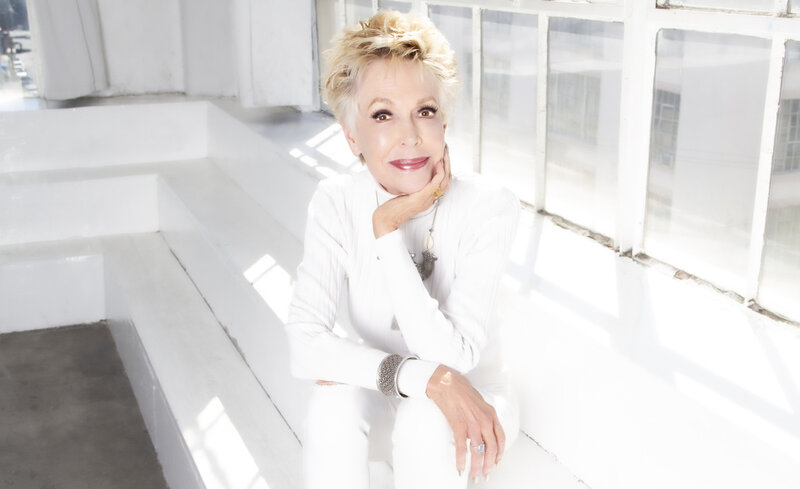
<point x="460" y="473"/>
<point x="487" y="477"/>
<point x="475" y="480"/>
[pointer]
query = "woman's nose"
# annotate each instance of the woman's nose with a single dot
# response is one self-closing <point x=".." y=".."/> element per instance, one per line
<point x="409" y="135"/>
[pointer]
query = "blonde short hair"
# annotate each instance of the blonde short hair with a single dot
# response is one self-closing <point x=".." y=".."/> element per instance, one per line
<point x="387" y="35"/>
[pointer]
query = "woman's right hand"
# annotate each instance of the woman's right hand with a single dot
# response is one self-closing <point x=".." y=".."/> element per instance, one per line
<point x="470" y="417"/>
<point x="393" y="213"/>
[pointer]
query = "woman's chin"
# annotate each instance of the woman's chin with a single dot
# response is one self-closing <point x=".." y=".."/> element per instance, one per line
<point x="418" y="180"/>
<point x="403" y="188"/>
<point x="408" y="183"/>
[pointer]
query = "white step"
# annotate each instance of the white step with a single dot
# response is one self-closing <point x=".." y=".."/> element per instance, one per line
<point x="210" y="420"/>
<point x="630" y="377"/>
<point x="242" y="261"/>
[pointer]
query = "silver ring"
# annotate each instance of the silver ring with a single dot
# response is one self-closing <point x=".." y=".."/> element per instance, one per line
<point x="480" y="448"/>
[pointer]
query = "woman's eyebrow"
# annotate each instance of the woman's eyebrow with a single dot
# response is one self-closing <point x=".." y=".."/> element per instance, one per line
<point x="387" y="101"/>
<point x="379" y="99"/>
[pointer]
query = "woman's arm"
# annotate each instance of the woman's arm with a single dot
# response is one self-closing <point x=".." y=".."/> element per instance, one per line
<point x="452" y="334"/>
<point x="454" y="331"/>
<point x="316" y="351"/>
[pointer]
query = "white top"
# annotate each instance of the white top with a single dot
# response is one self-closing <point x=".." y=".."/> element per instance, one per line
<point x="446" y="319"/>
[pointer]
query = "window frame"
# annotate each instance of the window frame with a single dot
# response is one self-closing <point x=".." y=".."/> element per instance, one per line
<point x="641" y="23"/>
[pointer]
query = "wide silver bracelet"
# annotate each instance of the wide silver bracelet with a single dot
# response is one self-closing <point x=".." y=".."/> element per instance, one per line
<point x="388" y="371"/>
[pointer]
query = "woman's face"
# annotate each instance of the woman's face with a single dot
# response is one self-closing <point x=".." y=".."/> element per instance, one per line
<point x="397" y="126"/>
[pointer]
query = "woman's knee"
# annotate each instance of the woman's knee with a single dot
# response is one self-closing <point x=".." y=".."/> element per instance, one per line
<point x="420" y="424"/>
<point x="419" y="420"/>
<point x="335" y="442"/>
<point x="424" y="451"/>
<point x="336" y="409"/>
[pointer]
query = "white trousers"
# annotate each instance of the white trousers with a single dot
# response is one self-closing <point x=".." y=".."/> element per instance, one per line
<point x="347" y="426"/>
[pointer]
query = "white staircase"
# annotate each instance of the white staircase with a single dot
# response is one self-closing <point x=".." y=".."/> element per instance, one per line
<point x="630" y="378"/>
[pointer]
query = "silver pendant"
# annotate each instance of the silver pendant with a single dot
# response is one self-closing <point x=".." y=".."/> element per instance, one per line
<point x="425" y="267"/>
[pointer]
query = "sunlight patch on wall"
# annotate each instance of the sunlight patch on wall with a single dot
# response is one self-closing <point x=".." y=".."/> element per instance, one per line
<point x="220" y="452"/>
<point x="273" y="283"/>
<point x="331" y="143"/>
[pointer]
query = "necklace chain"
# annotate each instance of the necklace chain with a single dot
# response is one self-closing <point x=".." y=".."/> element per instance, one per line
<point x="426" y="266"/>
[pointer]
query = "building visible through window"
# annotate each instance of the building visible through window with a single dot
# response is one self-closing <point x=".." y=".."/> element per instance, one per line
<point x="784" y="225"/>
<point x="664" y="129"/>
<point x="574" y="105"/>
<point x="787" y="137"/>
<point x="16" y="61"/>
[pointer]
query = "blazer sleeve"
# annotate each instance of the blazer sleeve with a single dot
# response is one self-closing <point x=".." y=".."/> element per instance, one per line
<point x="316" y="351"/>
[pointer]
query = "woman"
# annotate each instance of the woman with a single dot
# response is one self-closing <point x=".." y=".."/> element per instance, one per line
<point x="417" y="256"/>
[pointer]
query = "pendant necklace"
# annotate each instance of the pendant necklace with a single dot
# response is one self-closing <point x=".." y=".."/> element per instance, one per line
<point x="424" y="267"/>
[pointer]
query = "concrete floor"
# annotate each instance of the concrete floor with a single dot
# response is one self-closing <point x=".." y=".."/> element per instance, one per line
<point x="68" y="417"/>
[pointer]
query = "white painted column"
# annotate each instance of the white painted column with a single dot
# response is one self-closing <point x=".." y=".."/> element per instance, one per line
<point x="764" y="174"/>
<point x="477" y="58"/>
<point x="540" y="169"/>
<point x="275" y="55"/>
<point x="638" y="71"/>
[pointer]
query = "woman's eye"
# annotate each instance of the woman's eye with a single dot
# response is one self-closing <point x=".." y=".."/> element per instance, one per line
<point x="427" y="112"/>
<point x="381" y="116"/>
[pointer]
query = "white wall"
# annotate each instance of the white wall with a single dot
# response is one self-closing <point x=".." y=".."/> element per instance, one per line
<point x="44" y="209"/>
<point x="143" y="45"/>
<point x="68" y="44"/>
<point x="43" y="293"/>
<point x="258" y="50"/>
<point x="100" y="136"/>
<point x="262" y="170"/>
<point x="280" y="54"/>
<point x="209" y="63"/>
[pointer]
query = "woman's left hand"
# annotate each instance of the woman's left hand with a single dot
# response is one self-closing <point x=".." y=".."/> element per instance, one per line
<point x="471" y="418"/>
<point x="392" y="214"/>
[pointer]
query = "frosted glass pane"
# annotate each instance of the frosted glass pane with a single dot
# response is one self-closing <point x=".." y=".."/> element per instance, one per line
<point x="327" y="28"/>
<point x="583" y="99"/>
<point x="745" y="5"/>
<point x="780" y="273"/>
<point x="456" y="25"/>
<point x="794" y="6"/>
<point x="394" y="5"/>
<point x="508" y="100"/>
<point x="357" y="10"/>
<point x="708" y="106"/>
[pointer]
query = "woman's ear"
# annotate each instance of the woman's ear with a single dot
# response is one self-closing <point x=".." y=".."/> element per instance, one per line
<point x="351" y="140"/>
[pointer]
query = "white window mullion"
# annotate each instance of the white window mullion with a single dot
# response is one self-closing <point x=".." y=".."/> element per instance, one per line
<point x="341" y="15"/>
<point x="542" y="71"/>
<point x="477" y="50"/>
<point x="638" y="66"/>
<point x="781" y="7"/>
<point x="763" y="177"/>
<point x="644" y="110"/>
<point x="588" y="11"/>
<point x="726" y="22"/>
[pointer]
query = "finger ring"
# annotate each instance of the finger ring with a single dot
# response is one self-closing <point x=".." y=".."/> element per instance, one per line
<point x="438" y="193"/>
<point x="480" y="448"/>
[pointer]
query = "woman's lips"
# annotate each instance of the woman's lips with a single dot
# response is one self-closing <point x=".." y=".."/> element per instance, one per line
<point x="410" y="164"/>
